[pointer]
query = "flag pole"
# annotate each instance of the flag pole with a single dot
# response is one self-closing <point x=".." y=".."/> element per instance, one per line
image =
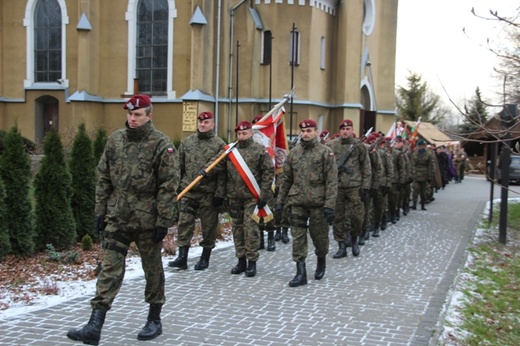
<point x="210" y="167"/>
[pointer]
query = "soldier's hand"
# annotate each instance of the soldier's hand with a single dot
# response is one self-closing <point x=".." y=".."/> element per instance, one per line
<point x="203" y="173"/>
<point x="100" y="223"/>
<point x="278" y="213"/>
<point x="384" y="190"/>
<point x="372" y="192"/>
<point x="399" y="186"/>
<point x="159" y="233"/>
<point x="217" y="201"/>
<point x="261" y="203"/>
<point x="329" y="215"/>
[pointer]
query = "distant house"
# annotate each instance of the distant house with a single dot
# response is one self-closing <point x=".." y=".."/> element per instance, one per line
<point x="430" y="133"/>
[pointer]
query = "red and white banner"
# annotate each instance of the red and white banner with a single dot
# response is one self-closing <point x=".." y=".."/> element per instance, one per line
<point x="271" y="133"/>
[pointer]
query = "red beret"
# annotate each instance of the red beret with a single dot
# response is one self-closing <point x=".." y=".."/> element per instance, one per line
<point x="257" y="118"/>
<point x="307" y="123"/>
<point x="324" y="133"/>
<point x="243" y="125"/>
<point x="398" y="139"/>
<point x="387" y="139"/>
<point x="138" y="101"/>
<point x="205" y="115"/>
<point x="372" y="138"/>
<point x="345" y="123"/>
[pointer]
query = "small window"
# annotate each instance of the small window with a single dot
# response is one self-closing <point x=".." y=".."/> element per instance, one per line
<point x="294" y="49"/>
<point x="322" y="55"/>
<point x="267" y="42"/>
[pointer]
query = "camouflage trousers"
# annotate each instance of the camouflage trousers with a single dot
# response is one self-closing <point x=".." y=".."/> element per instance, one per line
<point x="420" y="188"/>
<point x="189" y="209"/>
<point x="301" y="219"/>
<point x="349" y="214"/>
<point x="393" y="198"/>
<point x="110" y="278"/>
<point x="379" y="205"/>
<point x="407" y="193"/>
<point x="246" y="235"/>
<point x="368" y="217"/>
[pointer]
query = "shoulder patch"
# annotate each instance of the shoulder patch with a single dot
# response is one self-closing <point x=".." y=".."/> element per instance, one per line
<point x="331" y="154"/>
<point x="170" y="150"/>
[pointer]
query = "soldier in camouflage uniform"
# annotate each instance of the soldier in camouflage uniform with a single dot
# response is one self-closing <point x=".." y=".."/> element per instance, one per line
<point x="308" y="189"/>
<point x="381" y="199"/>
<point x="242" y="202"/>
<point x="196" y="152"/>
<point x="377" y="173"/>
<point x="138" y="177"/>
<point x="407" y="152"/>
<point x="401" y="195"/>
<point x="398" y="182"/>
<point x="354" y="177"/>
<point x="423" y="172"/>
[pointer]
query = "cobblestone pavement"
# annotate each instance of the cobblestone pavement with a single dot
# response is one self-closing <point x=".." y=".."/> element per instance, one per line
<point x="394" y="293"/>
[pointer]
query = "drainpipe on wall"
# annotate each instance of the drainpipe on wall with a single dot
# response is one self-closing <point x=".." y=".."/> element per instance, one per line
<point x="217" y="76"/>
<point x="230" y="79"/>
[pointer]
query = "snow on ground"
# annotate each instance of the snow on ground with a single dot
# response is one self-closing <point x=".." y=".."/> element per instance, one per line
<point x="73" y="289"/>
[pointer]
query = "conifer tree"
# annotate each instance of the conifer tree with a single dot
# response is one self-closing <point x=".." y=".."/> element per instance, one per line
<point x="475" y="116"/>
<point x="99" y="144"/>
<point x="5" y="245"/>
<point x="416" y="101"/>
<point x="15" y="171"/>
<point x="83" y="171"/>
<point x="53" y="191"/>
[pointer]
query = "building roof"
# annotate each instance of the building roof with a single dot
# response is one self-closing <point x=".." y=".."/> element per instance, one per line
<point x="430" y="133"/>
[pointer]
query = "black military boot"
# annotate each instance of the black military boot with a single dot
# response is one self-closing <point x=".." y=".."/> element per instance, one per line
<point x="398" y="214"/>
<point x="278" y="234"/>
<point x="203" y="262"/>
<point x="348" y="242"/>
<point x="320" y="268"/>
<point x="271" y="246"/>
<point x="153" y="326"/>
<point x="362" y="237"/>
<point x="384" y="223"/>
<point x="342" y="250"/>
<point x="251" y="269"/>
<point x="414" y="205"/>
<point x="391" y="217"/>
<point x="181" y="261"/>
<point x="240" y="267"/>
<point x="375" y="232"/>
<point x="285" y="235"/>
<point x="355" y="246"/>
<point x="262" y="242"/>
<point x="422" y="206"/>
<point x="301" y="275"/>
<point x="91" y="332"/>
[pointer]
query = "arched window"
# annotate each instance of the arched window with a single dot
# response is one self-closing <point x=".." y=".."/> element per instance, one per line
<point x="150" y="46"/>
<point x="45" y="22"/>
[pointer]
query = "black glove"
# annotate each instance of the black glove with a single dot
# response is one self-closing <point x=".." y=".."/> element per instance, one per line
<point x="203" y="173"/>
<point x="399" y="186"/>
<point x="329" y="215"/>
<point x="384" y="190"/>
<point x="278" y="213"/>
<point x="261" y="203"/>
<point x="159" y="233"/>
<point x="372" y="192"/>
<point x="100" y="223"/>
<point x="363" y="193"/>
<point x="217" y="201"/>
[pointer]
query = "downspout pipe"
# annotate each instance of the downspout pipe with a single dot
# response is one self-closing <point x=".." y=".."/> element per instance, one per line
<point x="217" y="76"/>
<point x="230" y="79"/>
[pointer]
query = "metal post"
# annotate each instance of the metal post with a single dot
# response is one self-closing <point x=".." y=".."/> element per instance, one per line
<point x="236" y="103"/>
<point x="293" y="58"/>
<point x="271" y="72"/>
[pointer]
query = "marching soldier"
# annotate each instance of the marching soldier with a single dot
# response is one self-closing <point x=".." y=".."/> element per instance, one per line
<point x="195" y="152"/>
<point x="423" y="173"/>
<point x="387" y="177"/>
<point x="308" y="190"/>
<point x="354" y="175"/>
<point x="250" y="174"/>
<point x="399" y="180"/>
<point x="377" y="172"/>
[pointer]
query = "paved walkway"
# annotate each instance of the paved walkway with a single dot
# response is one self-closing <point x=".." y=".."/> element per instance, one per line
<point x="392" y="294"/>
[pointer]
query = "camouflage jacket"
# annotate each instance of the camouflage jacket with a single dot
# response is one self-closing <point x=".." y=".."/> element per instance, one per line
<point x="138" y="176"/>
<point x="260" y="165"/>
<point x="399" y="166"/>
<point x="377" y="169"/>
<point x="356" y="171"/>
<point x="387" y="176"/>
<point x="423" y="166"/>
<point x="310" y="177"/>
<point x="196" y="152"/>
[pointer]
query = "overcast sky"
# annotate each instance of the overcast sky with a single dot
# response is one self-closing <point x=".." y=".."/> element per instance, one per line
<point x="431" y="42"/>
